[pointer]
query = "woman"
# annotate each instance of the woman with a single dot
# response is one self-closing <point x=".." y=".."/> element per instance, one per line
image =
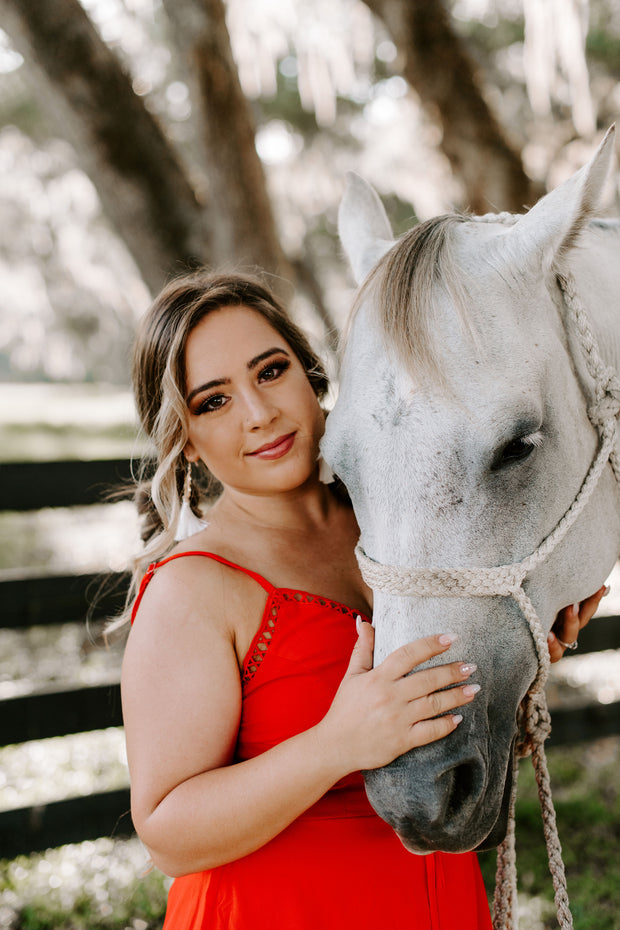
<point x="249" y="697"/>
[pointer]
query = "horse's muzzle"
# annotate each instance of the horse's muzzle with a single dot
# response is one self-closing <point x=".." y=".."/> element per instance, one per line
<point x="451" y="807"/>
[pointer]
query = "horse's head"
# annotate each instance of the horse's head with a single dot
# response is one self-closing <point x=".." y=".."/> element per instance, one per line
<point x="462" y="434"/>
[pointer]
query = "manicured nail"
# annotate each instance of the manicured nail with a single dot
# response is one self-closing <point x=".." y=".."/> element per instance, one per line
<point x="456" y="719"/>
<point x="606" y="591"/>
<point x="551" y="638"/>
<point x="446" y="639"/>
<point x="467" y="669"/>
<point x="358" y="624"/>
<point x="468" y="690"/>
<point x="575" y="609"/>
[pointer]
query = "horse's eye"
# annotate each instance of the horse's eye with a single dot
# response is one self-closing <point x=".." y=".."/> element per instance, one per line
<point x="514" y="451"/>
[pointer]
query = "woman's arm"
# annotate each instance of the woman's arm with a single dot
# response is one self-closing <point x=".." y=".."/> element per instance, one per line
<point x="195" y="810"/>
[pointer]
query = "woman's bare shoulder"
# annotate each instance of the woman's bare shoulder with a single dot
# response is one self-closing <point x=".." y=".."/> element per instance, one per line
<point x="185" y="632"/>
<point x="198" y="599"/>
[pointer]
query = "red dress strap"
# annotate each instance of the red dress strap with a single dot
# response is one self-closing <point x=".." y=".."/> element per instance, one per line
<point x="266" y="585"/>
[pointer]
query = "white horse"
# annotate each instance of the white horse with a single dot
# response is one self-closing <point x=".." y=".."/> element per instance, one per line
<point x="475" y="431"/>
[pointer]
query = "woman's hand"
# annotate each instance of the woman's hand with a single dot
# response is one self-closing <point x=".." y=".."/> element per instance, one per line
<point x="570" y="621"/>
<point x="380" y="713"/>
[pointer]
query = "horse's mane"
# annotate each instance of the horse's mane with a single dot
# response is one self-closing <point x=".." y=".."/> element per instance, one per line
<point x="403" y="285"/>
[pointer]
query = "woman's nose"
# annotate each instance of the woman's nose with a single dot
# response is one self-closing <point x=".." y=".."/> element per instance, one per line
<point x="259" y="411"/>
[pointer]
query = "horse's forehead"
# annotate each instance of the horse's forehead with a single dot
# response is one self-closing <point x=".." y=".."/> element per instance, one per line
<point x="476" y="241"/>
<point x="479" y="402"/>
<point x="495" y="366"/>
<point x="497" y="349"/>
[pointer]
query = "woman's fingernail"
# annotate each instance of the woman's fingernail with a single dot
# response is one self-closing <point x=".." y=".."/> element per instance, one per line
<point x="456" y="719"/>
<point x="358" y="624"/>
<point x="575" y="609"/>
<point x="446" y="639"/>
<point x="469" y="690"/>
<point x="551" y="638"/>
<point x="467" y="669"/>
<point x="606" y="591"/>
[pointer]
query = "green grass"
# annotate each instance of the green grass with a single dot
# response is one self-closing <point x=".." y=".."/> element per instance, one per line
<point x="586" y="791"/>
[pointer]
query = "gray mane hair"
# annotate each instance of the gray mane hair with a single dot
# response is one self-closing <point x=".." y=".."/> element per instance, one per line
<point x="404" y="283"/>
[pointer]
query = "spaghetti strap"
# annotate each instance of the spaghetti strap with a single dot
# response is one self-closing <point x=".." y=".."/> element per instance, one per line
<point x="266" y="585"/>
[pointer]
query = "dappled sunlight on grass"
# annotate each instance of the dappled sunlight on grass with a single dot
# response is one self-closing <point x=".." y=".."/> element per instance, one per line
<point x="534" y="912"/>
<point x="68" y="654"/>
<point x="579" y="680"/>
<point x="93" y="885"/>
<point x="102" y="537"/>
<point x="47" y="770"/>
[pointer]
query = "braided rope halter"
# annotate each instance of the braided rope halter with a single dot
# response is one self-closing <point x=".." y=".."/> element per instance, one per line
<point x="507" y="581"/>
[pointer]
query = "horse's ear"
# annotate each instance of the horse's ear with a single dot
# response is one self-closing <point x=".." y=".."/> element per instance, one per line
<point x="363" y="226"/>
<point x="553" y="225"/>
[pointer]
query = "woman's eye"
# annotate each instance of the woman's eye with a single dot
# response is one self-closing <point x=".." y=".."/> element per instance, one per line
<point x="273" y="371"/>
<point x="215" y="402"/>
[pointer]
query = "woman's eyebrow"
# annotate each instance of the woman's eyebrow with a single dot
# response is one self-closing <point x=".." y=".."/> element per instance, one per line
<point x="276" y="350"/>
<point x="219" y="382"/>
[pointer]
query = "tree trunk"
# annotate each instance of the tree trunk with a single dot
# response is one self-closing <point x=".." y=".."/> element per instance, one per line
<point x="438" y="67"/>
<point x="246" y="230"/>
<point x="142" y="185"/>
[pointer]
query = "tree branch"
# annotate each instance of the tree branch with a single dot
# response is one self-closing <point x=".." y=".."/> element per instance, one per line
<point x="237" y="189"/>
<point x="437" y="65"/>
<point x="141" y="183"/>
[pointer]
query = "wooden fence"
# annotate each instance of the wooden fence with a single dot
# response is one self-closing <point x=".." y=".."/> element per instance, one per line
<point x="29" y="601"/>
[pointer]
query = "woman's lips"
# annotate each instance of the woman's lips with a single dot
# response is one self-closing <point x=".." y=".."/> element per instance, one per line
<point x="275" y="449"/>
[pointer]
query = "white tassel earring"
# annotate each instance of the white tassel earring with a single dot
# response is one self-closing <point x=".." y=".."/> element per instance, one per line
<point x="188" y="523"/>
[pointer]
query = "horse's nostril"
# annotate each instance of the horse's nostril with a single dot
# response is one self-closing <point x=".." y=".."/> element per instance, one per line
<point x="466" y="786"/>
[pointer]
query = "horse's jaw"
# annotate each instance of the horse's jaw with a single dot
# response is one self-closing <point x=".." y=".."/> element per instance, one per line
<point x="452" y="803"/>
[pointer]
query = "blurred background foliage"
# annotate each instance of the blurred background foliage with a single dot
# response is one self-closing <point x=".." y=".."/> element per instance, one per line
<point x="325" y="90"/>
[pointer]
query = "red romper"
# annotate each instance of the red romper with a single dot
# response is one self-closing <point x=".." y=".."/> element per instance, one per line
<point x="338" y="865"/>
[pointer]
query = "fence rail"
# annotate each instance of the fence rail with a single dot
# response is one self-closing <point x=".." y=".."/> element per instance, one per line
<point x="33" y="829"/>
<point x="52" y="599"/>
<point x="43" y="600"/>
<point x="60" y="712"/>
<point x="33" y="485"/>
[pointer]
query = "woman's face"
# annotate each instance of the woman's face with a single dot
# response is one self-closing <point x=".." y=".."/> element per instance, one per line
<point x="254" y="419"/>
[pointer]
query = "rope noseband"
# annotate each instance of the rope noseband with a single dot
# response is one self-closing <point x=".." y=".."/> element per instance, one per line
<point x="507" y="581"/>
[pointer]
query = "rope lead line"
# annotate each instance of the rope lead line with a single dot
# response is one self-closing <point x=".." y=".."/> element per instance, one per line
<point x="507" y="581"/>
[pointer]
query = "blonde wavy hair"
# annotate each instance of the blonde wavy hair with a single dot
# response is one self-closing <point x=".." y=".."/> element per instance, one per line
<point x="159" y="383"/>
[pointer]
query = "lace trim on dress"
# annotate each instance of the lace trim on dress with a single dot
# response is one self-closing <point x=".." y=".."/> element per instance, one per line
<point x="261" y="644"/>
<point x="265" y="636"/>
